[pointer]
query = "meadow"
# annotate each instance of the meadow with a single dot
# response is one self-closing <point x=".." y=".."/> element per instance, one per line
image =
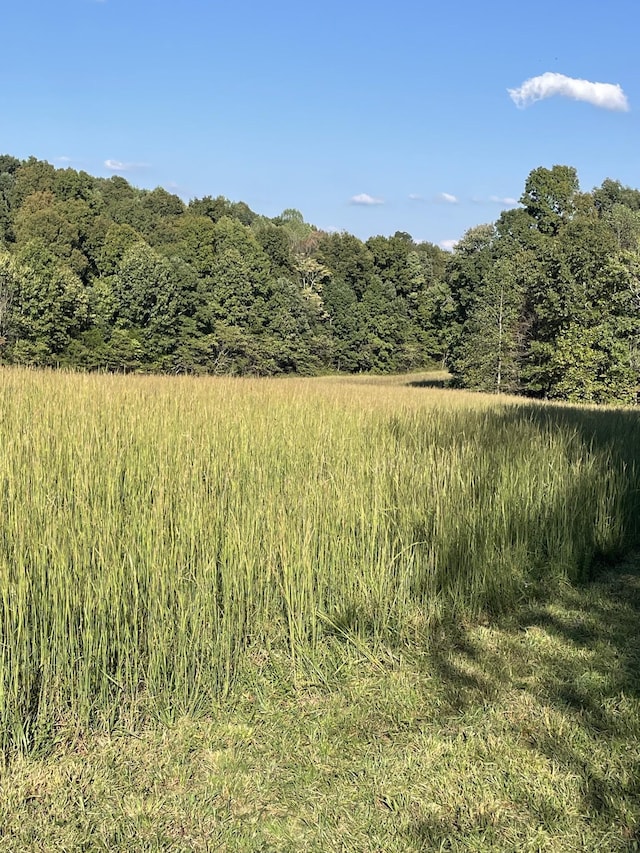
<point x="278" y="566"/>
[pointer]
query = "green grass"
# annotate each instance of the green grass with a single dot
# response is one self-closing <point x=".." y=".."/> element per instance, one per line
<point x="519" y="735"/>
<point x="314" y="614"/>
<point x="158" y="533"/>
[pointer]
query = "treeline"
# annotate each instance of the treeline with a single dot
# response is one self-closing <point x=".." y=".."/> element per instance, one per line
<point x="97" y="274"/>
<point x="547" y="299"/>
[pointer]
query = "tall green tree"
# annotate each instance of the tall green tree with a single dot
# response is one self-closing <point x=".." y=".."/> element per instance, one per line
<point x="240" y="275"/>
<point x="9" y="288"/>
<point x="550" y="196"/>
<point x="50" y="306"/>
<point x="490" y="355"/>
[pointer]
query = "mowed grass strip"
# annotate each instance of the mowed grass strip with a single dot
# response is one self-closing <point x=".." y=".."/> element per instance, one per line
<point x="160" y="535"/>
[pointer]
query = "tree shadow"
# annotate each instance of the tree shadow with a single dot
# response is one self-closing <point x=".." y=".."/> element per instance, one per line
<point x="581" y="670"/>
<point x="457" y="662"/>
<point x="431" y="382"/>
<point x="601" y="617"/>
<point x="569" y="651"/>
<point x="613" y="431"/>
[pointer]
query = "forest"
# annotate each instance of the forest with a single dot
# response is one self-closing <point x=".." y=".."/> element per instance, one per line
<point x="96" y="274"/>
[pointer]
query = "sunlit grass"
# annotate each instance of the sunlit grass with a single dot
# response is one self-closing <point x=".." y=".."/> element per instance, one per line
<point x="160" y="535"/>
<point x="519" y="735"/>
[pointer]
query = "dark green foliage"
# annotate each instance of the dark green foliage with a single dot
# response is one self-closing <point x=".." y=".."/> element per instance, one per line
<point x="549" y="197"/>
<point x="216" y="208"/>
<point x="297" y="330"/>
<point x="489" y="356"/>
<point x="275" y="243"/>
<point x="383" y="300"/>
<point x="612" y="193"/>
<point x="571" y="297"/>
<point x="97" y="274"/>
<point x="348" y="259"/>
<point x="49" y="307"/>
<point x="31" y="176"/>
<point x="208" y="287"/>
<point x="341" y="304"/>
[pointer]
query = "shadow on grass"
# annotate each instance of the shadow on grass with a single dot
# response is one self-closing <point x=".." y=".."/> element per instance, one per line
<point x="563" y="670"/>
<point x="573" y="664"/>
<point x="603" y="619"/>
<point x="431" y="382"/>
<point x="614" y="430"/>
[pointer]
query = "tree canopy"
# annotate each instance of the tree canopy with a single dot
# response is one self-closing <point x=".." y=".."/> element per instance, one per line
<point x="97" y="274"/>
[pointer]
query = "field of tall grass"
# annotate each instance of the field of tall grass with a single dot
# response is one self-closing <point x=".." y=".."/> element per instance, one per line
<point x="158" y="535"/>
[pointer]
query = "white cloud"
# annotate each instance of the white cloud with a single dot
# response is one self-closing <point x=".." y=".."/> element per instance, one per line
<point x="447" y="197"/>
<point x="608" y="96"/>
<point x="448" y="244"/>
<point x="416" y="197"/>
<point x="366" y="199"/>
<point x="507" y="200"/>
<point x="119" y="166"/>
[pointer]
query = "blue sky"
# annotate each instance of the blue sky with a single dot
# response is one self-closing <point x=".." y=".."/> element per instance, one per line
<point x="366" y="116"/>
